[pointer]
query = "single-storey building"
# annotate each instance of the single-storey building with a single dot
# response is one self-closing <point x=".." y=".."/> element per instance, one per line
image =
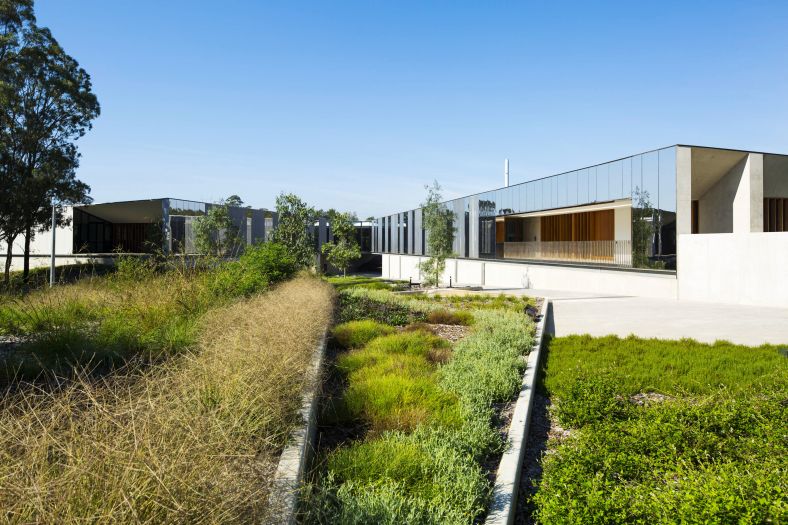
<point x="100" y="231"/>
<point x="681" y="222"/>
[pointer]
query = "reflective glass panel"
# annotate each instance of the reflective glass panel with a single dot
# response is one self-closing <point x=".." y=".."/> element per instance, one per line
<point x="615" y="176"/>
<point x="571" y="189"/>
<point x="582" y="187"/>
<point x="603" y="182"/>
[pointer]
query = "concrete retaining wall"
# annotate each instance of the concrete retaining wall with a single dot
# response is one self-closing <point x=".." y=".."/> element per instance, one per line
<point x="507" y="479"/>
<point x="283" y="499"/>
<point x="499" y="274"/>
<point x="734" y="268"/>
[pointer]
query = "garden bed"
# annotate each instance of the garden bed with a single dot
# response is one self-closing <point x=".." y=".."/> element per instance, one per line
<point x="416" y="407"/>
<point x="650" y="431"/>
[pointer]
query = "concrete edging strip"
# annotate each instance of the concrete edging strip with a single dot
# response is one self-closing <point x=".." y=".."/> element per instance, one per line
<point x="283" y="498"/>
<point x="507" y="480"/>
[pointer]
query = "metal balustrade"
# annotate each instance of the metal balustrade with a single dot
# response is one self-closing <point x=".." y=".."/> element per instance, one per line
<point x="614" y="253"/>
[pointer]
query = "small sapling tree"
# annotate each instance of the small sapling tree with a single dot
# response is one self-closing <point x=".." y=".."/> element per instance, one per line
<point x="438" y="223"/>
<point x="293" y="230"/>
<point x="344" y="249"/>
<point x="216" y="234"/>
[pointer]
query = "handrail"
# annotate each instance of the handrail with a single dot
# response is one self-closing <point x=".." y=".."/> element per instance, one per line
<point x="614" y="253"/>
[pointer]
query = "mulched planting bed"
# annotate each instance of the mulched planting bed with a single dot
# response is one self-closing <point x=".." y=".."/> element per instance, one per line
<point x="414" y="413"/>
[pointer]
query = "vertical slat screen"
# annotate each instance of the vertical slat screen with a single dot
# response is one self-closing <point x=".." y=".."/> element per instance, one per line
<point x="584" y="226"/>
<point x="775" y="215"/>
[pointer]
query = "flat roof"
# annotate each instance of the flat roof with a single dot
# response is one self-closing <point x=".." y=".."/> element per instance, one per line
<point x="594" y="166"/>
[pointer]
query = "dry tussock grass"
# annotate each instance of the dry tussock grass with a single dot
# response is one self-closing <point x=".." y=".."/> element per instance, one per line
<point x="194" y="439"/>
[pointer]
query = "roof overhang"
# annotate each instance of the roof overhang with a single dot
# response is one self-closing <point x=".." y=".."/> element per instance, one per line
<point x="131" y="212"/>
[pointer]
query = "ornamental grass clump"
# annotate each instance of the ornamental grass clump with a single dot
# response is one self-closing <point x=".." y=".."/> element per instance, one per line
<point x="146" y="309"/>
<point x="426" y="410"/>
<point x="443" y="316"/>
<point x="355" y="334"/>
<point x="191" y="439"/>
<point x="392" y="384"/>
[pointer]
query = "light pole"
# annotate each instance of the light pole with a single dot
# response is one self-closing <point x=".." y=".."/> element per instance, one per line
<point x="52" y="255"/>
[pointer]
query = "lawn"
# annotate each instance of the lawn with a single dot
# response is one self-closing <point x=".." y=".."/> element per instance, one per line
<point x="418" y="409"/>
<point x="664" y="432"/>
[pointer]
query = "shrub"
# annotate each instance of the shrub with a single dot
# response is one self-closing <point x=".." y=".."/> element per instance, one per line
<point x="488" y="364"/>
<point x="259" y="267"/>
<point x="140" y="310"/>
<point x="381" y="306"/>
<point x="450" y="317"/>
<point x="134" y="268"/>
<point x="355" y="334"/>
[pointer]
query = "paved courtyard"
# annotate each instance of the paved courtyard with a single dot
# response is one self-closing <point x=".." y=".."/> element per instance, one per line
<point x="581" y="313"/>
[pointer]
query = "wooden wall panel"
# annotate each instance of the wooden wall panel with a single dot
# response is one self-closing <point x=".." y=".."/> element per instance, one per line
<point x="583" y="226"/>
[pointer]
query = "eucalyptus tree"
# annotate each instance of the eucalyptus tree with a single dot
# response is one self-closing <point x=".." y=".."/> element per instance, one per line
<point x="344" y="249"/>
<point x="47" y="104"/>
<point x="216" y="234"/>
<point x="294" y="230"/>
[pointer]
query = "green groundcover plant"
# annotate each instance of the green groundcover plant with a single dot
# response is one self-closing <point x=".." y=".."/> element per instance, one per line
<point x="665" y="432"/>
<point x="425" y="407"/>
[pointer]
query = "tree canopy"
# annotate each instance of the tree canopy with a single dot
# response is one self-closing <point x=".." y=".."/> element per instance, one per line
<point x="216" y="234"/>
<point x="294" y="229"/>
<point x="46" y="104"/>
<point x="344" y="249"/>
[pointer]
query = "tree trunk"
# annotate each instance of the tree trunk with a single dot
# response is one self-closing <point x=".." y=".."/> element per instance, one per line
<point x="26" y="263"/>
<point x="7" y="267"/>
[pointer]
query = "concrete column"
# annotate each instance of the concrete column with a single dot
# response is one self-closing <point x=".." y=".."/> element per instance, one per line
<point x="683" y="190"/>
<point x="748" y="202"/>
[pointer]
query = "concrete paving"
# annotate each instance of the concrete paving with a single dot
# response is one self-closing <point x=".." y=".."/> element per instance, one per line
<point x="582" y="313"/>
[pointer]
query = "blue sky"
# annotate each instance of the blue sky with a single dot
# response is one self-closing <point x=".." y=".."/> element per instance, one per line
<point x="358" y="105"/>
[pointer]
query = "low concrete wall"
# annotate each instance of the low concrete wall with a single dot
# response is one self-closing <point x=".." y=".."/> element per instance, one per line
<point x="734" y="268"/>
<point x="283" y="499"/>
<point x="499" y="274"/>
<point x="507" y="479"/>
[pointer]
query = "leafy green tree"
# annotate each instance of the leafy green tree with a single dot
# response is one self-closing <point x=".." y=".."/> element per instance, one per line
<point x="234" y="200"/>
<point x="344" y="249"/>
<point x="216" y="234"/>
<point x="438" y="222"/>
<point x="294" y="228"/>
<point x="46" y="103"/>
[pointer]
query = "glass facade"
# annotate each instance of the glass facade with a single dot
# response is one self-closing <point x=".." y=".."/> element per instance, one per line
<point x="647" y="181"/>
